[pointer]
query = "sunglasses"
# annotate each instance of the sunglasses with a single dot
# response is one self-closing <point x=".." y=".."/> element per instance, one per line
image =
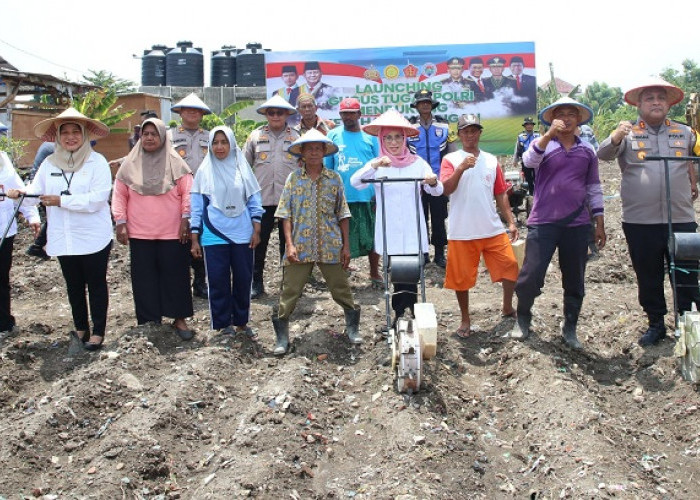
<point x="275" y="112"/>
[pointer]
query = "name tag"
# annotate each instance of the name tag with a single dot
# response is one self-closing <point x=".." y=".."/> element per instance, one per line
<point x="56" y="174"/>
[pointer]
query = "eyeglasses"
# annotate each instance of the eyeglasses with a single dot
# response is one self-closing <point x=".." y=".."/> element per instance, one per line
<point x="275" y="112"/>
<point x="393" y="138"/>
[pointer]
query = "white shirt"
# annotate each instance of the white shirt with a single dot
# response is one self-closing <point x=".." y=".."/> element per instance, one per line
<point x="10" y="180"/>
<point x="400" y="202"/>
<point x="472" y="214"/>
<point x="82" y="225"/>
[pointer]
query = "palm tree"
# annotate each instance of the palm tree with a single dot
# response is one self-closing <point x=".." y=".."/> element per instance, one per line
<point x="99" y="105"/>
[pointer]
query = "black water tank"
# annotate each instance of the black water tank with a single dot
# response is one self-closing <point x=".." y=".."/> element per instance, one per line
<point x="153" y="66"/>
<point x="184" y="66"/>
<point x="223" y="67"/>
<point x="250" y="66"/>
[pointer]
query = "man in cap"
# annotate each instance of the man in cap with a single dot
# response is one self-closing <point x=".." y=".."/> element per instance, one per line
<point x="306" y="106"/>
<point x="314" y="236"/>
<point x="473" y="179"/>
<point x="192" y="144"/>
<point x="456" y="84"/>
<point x="567" y="194"/>
<point x="644" y="213"/>
<point x="476" y="70"/>
<point x="355" y="149"/>
<point x="322" y="92"/>
<point x="266" y="152"/>
<point x="496" y="81"/>
<point x="523" y="142"/>
<point x="432" y="144"/>
<point x="290" y="91"/>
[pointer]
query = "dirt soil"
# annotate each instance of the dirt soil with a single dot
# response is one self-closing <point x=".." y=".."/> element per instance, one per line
<point x="153" y="417"/>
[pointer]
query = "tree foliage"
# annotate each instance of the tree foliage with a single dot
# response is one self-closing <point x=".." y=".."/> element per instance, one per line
<point x="108" y="81"/>
<point x="687" y="79"/>
<point x="100" y="105"/>
<point x="229" y="116"/>
<point x="13" y="147"/>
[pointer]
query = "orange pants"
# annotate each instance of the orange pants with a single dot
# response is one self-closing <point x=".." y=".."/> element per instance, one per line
<point x="463" y="261"/>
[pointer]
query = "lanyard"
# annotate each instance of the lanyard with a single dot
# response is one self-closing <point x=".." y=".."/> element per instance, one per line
<point x="68" y="181"/>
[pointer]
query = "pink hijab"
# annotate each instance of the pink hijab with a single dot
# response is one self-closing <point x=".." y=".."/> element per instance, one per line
<point x="405" y="158"/>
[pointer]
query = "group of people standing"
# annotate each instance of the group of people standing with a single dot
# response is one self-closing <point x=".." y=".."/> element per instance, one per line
<point x="314" y="179"/>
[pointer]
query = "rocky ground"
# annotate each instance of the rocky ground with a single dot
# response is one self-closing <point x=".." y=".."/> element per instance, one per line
<point x="152" y="417"/>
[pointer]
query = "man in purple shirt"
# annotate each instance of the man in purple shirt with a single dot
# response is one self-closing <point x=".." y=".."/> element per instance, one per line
<point x="567" y="194"/>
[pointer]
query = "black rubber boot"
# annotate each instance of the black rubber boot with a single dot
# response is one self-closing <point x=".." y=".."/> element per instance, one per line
<point x="572" y="309"/>
<point x="281" y="327"/>
<point x="655" y="333"/>
<point x="352" y="325"/>
<point x="521" y="329"/>
<point x="440" y="260"/>
<point x="257" y="289"/>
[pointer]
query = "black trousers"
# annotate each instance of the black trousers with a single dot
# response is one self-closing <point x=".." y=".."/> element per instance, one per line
<point x="436" y="207"/>
<point x="529" y="174"/>
<point x="542" y="240"/>
<point x="89" y="271"/>
<point x="648" y="247"/>
<point x="7" y="321"/>
<point x="160" y="279"/>
<point x="266" y="225"/>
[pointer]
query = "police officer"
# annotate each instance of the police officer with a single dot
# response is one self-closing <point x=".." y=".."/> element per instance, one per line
<point x="432" y="144"/>
<point x="192" y="143"/>
<point x="266" y="151"/>
<point x="525" y="138"/>
<point x="456" y="83"/>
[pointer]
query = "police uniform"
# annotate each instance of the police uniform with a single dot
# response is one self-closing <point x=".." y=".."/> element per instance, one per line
<point x="266" y="152"/>
<point x="191" y="145"/>
<point x="457" y="87"/>
<point x="321" y="92"/>
<point x="521" y="144"/>
<point x="644" y="212"/>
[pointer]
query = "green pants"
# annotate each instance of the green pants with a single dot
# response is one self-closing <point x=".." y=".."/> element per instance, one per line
<point x="295" y="276"/>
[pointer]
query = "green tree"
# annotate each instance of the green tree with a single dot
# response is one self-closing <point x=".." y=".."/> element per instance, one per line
<point x="13" y="147"/>
<point x="598" y="95"/>
<point x="100" y="105"/>
<point x="108" y="81"/>
<point x="688" y="79"/>
<point x="229" y="116"/>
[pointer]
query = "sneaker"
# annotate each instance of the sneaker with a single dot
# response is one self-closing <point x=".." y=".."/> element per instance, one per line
<point x="184" y="334"/>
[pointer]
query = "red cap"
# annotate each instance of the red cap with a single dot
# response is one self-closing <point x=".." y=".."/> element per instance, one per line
<point x="349" y="104"/>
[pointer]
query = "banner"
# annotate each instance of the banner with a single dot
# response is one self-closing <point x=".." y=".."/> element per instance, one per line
<point x="495" y="81"/>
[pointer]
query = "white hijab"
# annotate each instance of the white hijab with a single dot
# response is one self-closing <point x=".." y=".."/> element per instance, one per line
<point x="229" y="182"/>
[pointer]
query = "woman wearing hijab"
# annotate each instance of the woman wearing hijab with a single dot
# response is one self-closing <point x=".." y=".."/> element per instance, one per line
<point x="9" y="179"/>
<point x="151" y="208"/>
<point x="74" y="183"/>
<point x="396" y="161"/>
<point x="226" y="214"/>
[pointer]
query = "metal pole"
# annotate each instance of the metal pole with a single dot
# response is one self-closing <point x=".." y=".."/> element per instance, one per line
<point x="421" y="261"/>
<point x="385" y="264"/>
<point x="12" y="219"/>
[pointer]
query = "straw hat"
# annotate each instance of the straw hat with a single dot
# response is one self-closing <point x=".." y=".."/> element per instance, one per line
<point x="276" y="102"/>
<point x="313" y="135"/>
<point x="191" y="101"/>
<point x="46" y="130"/>
<point x="390" y="118"/>
<point x="586" y="113"/>
<point x="674" y="94"/>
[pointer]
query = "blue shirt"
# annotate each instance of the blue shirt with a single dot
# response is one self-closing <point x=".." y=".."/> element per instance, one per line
<point x="355" y="149"/>
<point x="208" y="223"/>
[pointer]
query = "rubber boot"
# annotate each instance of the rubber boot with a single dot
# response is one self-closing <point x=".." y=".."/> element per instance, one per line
<point x="257" y="289"/>
<point x="521" y="329"/>
<point x="440" y="257"/>
<point x="572" y="308"/>
<point x="281" y="327"/>
<point x="352" y="325"/>
<point x="655" y="333"/>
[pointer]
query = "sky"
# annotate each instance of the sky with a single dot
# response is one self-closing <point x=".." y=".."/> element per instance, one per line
<point x="603" y="41"/>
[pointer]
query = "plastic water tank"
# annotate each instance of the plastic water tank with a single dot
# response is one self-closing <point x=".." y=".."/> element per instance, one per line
<point x="153" y="66"/>
<point x="250" y="66"/>
<point x="184" y="66"/>
<point x="223" y="67"/>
